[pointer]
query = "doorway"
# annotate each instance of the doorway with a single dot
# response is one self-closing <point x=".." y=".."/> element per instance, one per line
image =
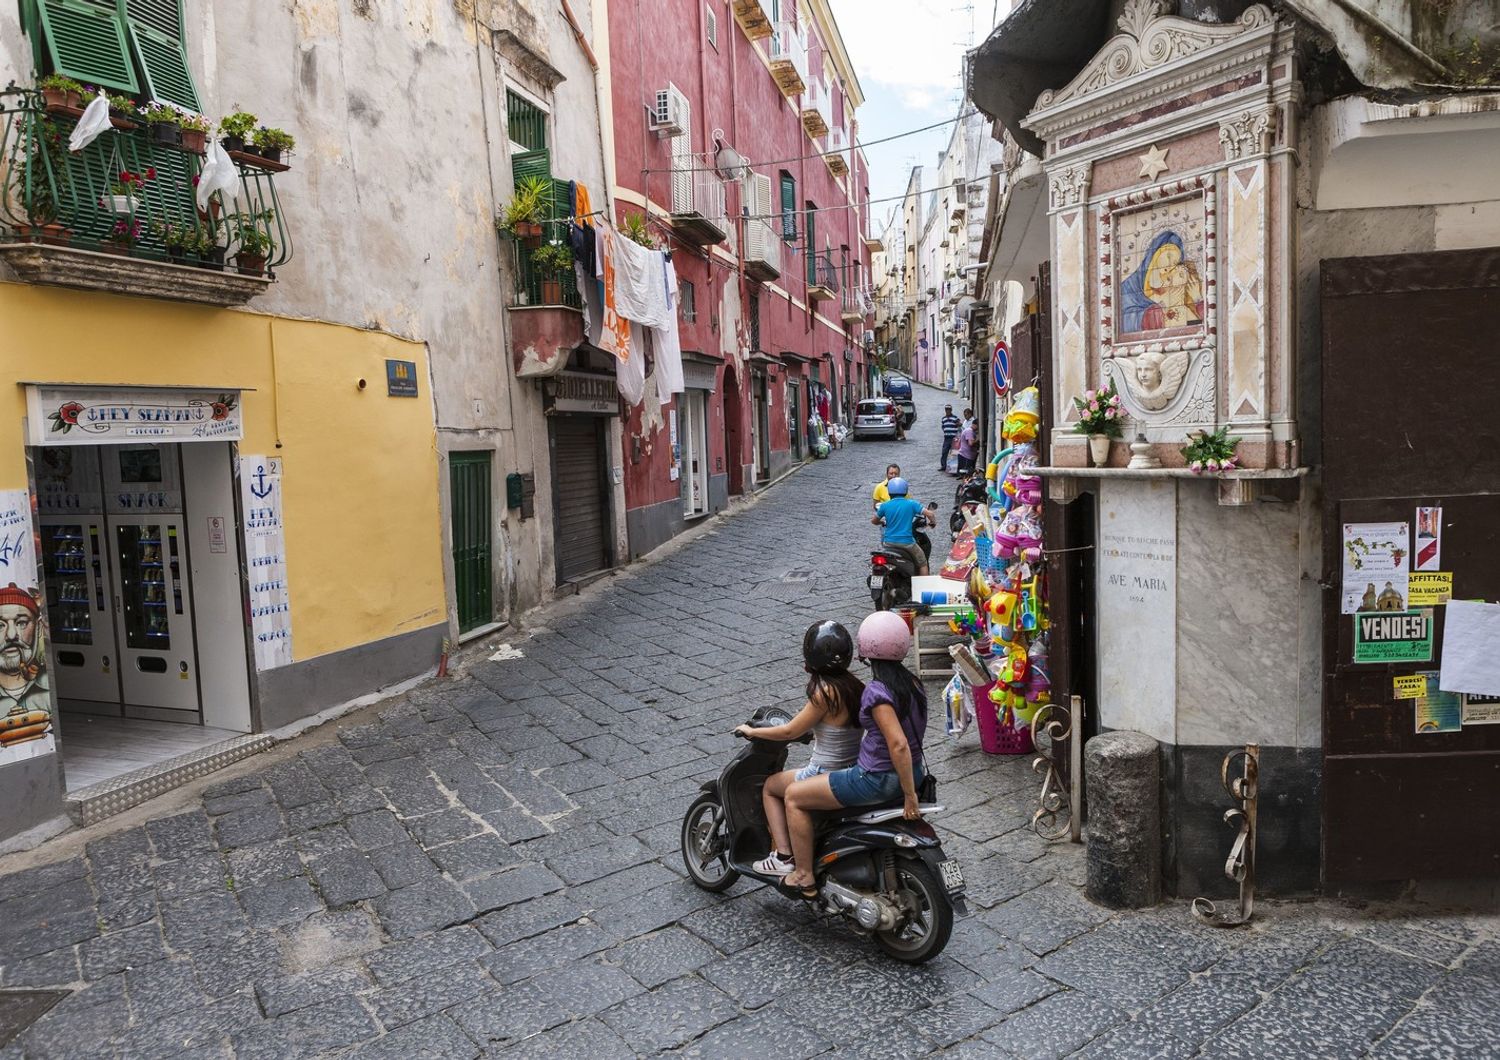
<point x="761" y="426"/>
<point x="580" y="490"/>
<point x="794" y="416"/>
<point x="473" y="574"/>
<point x="734" y="415"/>
<point x="694" y="453"/>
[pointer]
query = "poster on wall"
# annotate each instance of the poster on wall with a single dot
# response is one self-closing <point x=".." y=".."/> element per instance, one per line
<point x="1427" y="546"/>
<point x="1470" y="662"/>
<point x="1404" y="636"/>
<point x="25" y="692"/>
<point x="1480" y="709"/>
<point x="1375" y="567"/>
<point x="1436" y="711"/>
<point x="672" y="440"/>
<point x="265" y="553"/>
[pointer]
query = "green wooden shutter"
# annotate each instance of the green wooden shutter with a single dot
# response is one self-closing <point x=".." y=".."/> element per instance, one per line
<point x="157" y="38"/>
<point x="531" y="164"/>
<point x="812" y="245"/>
<point x="788" y="208"/>
<point x="87" y="41"/>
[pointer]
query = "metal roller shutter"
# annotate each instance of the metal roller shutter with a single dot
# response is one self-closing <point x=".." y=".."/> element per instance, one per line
<point x="578" y="464"/>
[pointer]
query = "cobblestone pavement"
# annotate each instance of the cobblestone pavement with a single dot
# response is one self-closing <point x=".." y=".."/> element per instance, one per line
<point x="490" y="866"/>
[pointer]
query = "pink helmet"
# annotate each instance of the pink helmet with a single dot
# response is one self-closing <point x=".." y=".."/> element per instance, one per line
<point x="884" y="636"/>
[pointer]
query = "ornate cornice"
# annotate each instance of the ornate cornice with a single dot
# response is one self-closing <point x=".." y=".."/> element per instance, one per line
<point x="1069" y="187"/>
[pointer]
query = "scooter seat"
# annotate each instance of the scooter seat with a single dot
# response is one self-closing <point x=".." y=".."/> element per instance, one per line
<point x="849" y="813"/>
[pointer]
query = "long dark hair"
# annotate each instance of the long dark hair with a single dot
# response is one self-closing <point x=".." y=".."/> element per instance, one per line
<point x="906" y="690"/>
<point x="836" y="694"/>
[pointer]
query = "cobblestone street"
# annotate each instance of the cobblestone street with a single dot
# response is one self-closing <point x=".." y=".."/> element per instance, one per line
<point x="489" y="865"/>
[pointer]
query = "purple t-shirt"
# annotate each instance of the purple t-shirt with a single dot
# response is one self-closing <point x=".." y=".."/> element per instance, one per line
<point x="873" y="753"/>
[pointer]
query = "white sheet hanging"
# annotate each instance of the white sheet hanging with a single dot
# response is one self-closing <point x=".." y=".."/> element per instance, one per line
<point x="94" y="121"/>
<point x="219" y="174"/>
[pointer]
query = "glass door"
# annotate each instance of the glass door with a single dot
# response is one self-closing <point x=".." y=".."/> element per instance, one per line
<point x="158" y="663"/>
<point x="80" y="618"/>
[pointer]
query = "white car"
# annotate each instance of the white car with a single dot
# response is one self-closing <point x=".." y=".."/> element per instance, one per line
<point x="875" y="418"/>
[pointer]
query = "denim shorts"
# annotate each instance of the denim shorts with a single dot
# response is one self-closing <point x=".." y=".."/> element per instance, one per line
<point x="809" y="771"/>
<point x="858" y="786"/>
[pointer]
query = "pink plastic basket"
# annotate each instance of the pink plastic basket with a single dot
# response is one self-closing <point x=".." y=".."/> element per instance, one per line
<point x="999" y="735"/>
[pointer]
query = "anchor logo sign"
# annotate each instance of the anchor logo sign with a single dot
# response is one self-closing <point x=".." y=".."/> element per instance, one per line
<point x="260" y="487"/>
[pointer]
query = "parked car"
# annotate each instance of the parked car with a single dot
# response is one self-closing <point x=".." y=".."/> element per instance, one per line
<point x="875" y="418"/>
<point x="898" y="389"/>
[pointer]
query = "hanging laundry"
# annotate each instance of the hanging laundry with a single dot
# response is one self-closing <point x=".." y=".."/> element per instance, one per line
<point x="630" y="370"/>
<point x="644" y="279"/>
<point x="666" y="341"/>
<point x="94" y="121"/>
<point x="615" y="330"/>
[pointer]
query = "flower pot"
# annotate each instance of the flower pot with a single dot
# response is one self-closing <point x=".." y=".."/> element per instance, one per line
<point x="232" y="143"/>
<point x="176" y="254"/>
<point x="214" y="260"/>
<point x="51" y="233"/>
<point x="1099" y="449"/>
<point x="212" y="214"/>
<point x="551" y="292"/>
<point x="194" y="141"/>
<point x="120" y="250"/>
<point x="250" y="264"/>
<point x="165" y="133"/>
<point x="270" y="154"/>
<point x="119" y="203"/>
<point x="56" y="97"/>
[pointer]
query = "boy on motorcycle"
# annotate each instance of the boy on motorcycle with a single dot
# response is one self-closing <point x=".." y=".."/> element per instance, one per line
<point x="831" y="712"/>
<point x="901" y="515"/>
<point x="893" y="713"/>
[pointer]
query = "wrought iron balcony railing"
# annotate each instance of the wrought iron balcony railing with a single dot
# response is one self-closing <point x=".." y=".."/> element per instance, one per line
<point x="539" y="284"/>
<point x="822" y="277"/>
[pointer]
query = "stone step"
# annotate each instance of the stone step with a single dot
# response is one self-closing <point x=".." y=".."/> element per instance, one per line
<point x="94" y="803"/>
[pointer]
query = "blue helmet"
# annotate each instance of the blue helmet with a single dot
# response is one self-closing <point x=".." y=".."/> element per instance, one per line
<point x="897" y="487"/>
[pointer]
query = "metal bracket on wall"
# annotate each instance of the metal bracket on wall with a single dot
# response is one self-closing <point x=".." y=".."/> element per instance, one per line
<point x="1240" y="865"/>
<point x="1059" y="809"/>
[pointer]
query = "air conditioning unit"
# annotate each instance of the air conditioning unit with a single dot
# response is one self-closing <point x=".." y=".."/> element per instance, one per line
<point x="670" y="115"/>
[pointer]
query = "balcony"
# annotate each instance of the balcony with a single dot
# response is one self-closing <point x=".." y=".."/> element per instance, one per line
<point x="788" y="55"/>
<point x="822" y="278"/>
<point x="815" y="110"/>
<point x="698" y="212"/>
<point x="539" y="285"/>
<point x="856" y="305"/>
<point x="762" y="251"/>
<point x="836" y="151"/>
<point x="753" y="19"/>
<point x="62" y="225"/>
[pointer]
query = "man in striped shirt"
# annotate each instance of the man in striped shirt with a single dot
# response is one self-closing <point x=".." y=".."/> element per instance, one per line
<point x="951" y="426"/>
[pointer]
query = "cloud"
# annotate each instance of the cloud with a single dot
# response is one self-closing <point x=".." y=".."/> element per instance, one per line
<point x="914" y="47"/>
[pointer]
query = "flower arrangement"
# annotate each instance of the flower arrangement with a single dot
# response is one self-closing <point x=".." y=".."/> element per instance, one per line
<point x="175" y="237"/>
<point x="160" y="114"/>
<point x="131" y="183"/>
<point x="1099" y="412"/>
<point x="126" y="233"/>
<point x="1211" y="452"/>
<point x="253" y="239"/>
<point x="193" y="123"/>
<point x="59" y="90"/>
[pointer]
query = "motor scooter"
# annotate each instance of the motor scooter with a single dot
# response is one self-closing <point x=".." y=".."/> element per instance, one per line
<point x="892" y="569"/>
<point x="972" y="489"/>
<point x="884" y="874"/>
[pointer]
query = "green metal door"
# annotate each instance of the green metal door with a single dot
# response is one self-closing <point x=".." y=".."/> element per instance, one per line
<point x="469" y="474"/>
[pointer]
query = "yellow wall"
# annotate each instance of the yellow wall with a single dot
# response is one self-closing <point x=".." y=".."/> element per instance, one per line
<point x="359" y="469"/>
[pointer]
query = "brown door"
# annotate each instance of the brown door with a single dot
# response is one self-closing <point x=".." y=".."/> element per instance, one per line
<point x="1410" y="376"/>
<point x="580" y="492"/>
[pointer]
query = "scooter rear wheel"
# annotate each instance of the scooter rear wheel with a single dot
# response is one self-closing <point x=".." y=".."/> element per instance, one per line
<point x="930" y="919"/>
<point x="704" y="845"/>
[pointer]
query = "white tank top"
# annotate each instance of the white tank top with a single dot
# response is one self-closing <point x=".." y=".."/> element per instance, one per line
<point x="835" y="746"/>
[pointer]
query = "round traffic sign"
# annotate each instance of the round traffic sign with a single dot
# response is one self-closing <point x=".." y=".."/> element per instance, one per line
<point x="1000" y="368"/>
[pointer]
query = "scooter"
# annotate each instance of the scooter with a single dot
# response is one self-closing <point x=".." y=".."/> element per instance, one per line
<point x="884" y="874"/>
<point x="891" y="570"/>
<point x="972" y="489"/>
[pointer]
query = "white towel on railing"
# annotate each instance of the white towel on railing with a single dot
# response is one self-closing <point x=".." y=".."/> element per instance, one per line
<point x="94" y="121"/>
<point x="219" y="174"/>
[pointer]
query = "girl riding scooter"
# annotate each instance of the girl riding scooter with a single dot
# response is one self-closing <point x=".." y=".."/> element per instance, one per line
<point x="893" y="713"/>
<point x="831" y="712"/>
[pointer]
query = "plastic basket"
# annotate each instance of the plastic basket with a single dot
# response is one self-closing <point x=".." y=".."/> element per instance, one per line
<point x="996" y="737"/>
<point x="984" y="553"/>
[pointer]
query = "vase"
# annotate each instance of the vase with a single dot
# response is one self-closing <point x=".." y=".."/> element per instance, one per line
<point x="1099" y="449"/>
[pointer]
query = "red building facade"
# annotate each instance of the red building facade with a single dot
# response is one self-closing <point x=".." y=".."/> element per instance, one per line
<point x="732" y="128"/>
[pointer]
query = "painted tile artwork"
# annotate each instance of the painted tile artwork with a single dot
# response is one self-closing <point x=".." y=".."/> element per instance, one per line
<point x="1159" y="272"/>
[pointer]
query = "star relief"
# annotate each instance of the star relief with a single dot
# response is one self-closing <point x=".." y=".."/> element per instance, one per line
<point x="1153" y="162"/>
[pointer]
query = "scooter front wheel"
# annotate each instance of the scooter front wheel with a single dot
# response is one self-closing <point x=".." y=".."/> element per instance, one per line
<point x="705" y="851"/>
<point x="929" y="915"/>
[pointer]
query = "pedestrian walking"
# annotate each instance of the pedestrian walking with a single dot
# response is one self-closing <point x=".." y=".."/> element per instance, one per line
<point x="968" y="447"/>
<point x="951" y="426"/>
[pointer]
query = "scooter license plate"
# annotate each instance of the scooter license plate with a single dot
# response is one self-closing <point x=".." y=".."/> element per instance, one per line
<point x="953" y="876"/>
<point x="877" y="581"/>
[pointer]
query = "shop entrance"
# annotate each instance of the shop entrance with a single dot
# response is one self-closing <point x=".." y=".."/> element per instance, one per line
<point x="794" y="416"/>
<point x="734" y="415"/>
<point x="583" y="533"/>
<point x="760" y="426"/>
<point x="143" y="600"/>
<point x="694" y="453"/>
<point x="1408" y="427"/>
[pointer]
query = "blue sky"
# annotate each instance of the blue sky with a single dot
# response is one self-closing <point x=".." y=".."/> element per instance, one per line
<point x="909" y="58"/>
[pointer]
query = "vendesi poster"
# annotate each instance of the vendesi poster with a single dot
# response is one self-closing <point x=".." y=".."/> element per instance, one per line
<point x="25" y="691"/>
<point x="1375" y="567"/>
<point x="265" y="552"/>
<point x="1436" y="711"/>
<point x="1400" y="637"/>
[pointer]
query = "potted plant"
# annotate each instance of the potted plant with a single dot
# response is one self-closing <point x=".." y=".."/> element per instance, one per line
<point x="163" y="124"/>
<point x="125" y="234"/>
<point x="635" y="230"/>
<point x="1099" y="417"/>
<point x="527" y="210"/>
<point x="1212" y="452"/>
<point x="551" y="262"/>
<point x="59" y="91"/>
<point x="122" y="111"/>
<point x="255" y="243"/>
<point x="206" y="249"/>
<point x="194" y="131"/>
<point x="124" y="191"/>
<point x="271" y="143"/>
<point x="234" y="128"/>
<point x="175" y="237"/>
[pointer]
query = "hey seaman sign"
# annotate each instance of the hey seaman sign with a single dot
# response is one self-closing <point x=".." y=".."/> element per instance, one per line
<point x="1393" y="637"/>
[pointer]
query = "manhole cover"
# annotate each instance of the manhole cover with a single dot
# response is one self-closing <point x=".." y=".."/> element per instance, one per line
<point x="797" y="576"/>
<point x="19" y="1009"/>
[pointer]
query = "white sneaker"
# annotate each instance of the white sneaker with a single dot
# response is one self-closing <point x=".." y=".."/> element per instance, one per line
<point x="773" y="864"/>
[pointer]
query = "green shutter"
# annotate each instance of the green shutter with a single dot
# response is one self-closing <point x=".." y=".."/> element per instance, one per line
<point x="562" y="200"/>
<point x="788" y="208"/>
<point x="812" y="245"/>
<point x="161" y="51"/>
<point x="525" y="122"/>
<point x="87" y="41"/>
<point x="530" y="164"/>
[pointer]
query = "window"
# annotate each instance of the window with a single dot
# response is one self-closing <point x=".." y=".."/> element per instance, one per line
<point x="132" y="46"/>
<point x="711" y="26"/>
<point x="687" y="301"/>
<point x="525" y="123"/>
<point x="788" y="207"/>
<point x="753" y="313"/>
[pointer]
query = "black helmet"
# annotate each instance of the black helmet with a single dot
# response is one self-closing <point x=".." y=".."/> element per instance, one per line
<point x="827" y="648"/>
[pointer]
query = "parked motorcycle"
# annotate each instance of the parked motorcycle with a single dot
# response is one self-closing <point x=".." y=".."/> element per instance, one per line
<point x="884" y="874"/>
<point x="971" y="490"/>
<point x="891" y="569"/>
